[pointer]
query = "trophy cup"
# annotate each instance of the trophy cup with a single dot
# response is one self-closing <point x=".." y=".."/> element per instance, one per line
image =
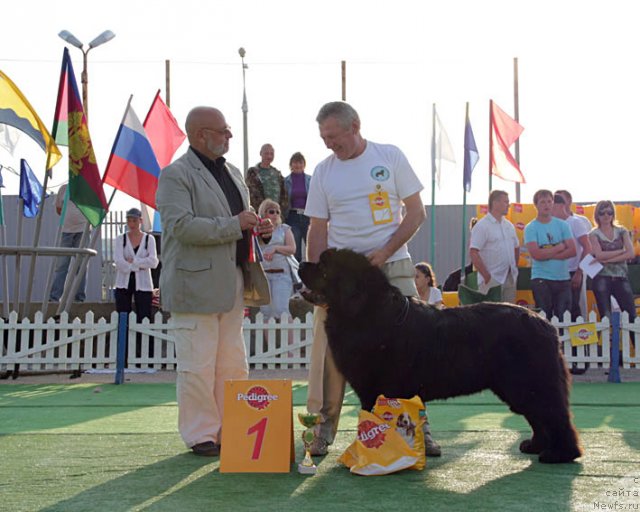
<point x="308" y="420"/>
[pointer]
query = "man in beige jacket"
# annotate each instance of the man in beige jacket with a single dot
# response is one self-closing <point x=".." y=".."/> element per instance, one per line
<point x="206" y="274"/>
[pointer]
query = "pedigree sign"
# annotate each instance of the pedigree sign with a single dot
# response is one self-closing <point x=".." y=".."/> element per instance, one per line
<point x="257" y="430"/>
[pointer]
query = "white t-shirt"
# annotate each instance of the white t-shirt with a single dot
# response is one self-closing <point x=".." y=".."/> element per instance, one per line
<point x="578" y="228"/>
<point x="496" y="243"/>
<point x="435" y="295"/>
<point x="340" y="189"/>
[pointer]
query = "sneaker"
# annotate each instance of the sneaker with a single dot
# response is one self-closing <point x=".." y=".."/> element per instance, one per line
<point x="206" y="449"/>
<point x="319" y="446"/>
<point x="431" y="448"/>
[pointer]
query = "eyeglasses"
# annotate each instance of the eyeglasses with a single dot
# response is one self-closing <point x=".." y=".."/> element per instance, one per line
<point x="273" y="212"/>
<point x="605" y="212"/>
<point x="222" y="131"/>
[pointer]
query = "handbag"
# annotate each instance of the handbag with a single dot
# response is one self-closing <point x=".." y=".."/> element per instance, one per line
<point x="293" y="264"/>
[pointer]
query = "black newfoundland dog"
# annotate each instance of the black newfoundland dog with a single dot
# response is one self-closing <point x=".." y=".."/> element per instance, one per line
<point x="384" y="343"/>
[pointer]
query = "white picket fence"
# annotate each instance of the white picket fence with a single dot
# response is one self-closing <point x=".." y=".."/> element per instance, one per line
<point x="81" y="345"/>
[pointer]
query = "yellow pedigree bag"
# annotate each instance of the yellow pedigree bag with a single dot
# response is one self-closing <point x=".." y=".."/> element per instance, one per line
<point x="406" y="416"/>
<point x="378" y="449"/>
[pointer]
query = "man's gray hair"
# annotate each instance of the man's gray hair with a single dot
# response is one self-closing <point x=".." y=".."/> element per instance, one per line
<point x="342" y="111"/>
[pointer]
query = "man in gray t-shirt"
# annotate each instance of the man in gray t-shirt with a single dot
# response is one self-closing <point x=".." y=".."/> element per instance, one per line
<point x="72" y="227"/>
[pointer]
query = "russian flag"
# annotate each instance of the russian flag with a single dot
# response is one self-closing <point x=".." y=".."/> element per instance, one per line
<point x="133" y="167"/>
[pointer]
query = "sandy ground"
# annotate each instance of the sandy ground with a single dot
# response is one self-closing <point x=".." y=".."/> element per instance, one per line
<point x="592" y="375"/>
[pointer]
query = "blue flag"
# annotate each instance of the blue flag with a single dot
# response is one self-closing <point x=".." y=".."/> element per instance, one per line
<point x="30" y="190"/>
<point x="471" y="155"/>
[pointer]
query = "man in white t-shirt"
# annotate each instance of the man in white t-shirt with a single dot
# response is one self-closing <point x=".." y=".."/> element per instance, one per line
<point x="72" y="227"/>
<point x="580" y="227"/>
<point x="494" y="248"/>
<point x="355" y="201"/>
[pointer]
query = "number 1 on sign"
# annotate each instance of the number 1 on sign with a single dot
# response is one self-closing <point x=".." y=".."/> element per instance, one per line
<point x="260" y="428"/>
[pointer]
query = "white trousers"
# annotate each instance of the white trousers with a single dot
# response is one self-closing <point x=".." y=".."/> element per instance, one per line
<point x="210" y="350"/>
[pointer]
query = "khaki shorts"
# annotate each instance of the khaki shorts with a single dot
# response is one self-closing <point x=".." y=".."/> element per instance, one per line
<point x="401" y="274"/>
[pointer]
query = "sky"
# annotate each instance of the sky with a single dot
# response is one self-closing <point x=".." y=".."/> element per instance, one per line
<point x="577" y="67"/>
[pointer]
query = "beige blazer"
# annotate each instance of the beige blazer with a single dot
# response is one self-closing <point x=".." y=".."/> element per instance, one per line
<point x="199" y="237"/>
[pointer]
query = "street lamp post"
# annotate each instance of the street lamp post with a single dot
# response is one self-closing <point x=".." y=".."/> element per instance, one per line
<point x="245" y="110"/>
<point x="106" y="36"/>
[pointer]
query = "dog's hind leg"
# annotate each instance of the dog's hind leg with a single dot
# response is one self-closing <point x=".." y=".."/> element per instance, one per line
<point x="511" y="397"/>
<point x="563" y="443"/>
<point x="554" y="439"/>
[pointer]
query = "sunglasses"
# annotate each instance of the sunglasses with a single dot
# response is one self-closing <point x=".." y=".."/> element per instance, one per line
<point x="605" y="212"/>
<point x="273" y="212"/>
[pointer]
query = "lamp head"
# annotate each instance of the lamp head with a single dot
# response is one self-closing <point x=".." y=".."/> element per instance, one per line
<point x="106" y="36"/>
<point x="242" y="53"/>
<point x="70" y="38"/>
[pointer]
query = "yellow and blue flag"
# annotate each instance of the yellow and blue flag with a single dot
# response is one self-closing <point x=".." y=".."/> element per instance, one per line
<point x="16" y="111"/>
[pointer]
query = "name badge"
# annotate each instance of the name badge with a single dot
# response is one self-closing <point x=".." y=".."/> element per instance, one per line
<point x="380" y="207"/>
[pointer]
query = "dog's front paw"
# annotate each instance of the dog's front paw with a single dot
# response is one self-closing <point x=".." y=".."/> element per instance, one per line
<point x="559" y="456"/>
<point x="529" y="446"/>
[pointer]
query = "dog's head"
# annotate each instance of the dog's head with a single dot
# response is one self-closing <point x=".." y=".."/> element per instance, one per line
<point x="342" y="279"/>
<point x="404" y="421"/>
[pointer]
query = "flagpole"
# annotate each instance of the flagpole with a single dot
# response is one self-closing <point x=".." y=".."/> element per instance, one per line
<point x="464" y="214"/>
<point x="516" y="103"/>
<point x="343" y="66"/>
<point x="5" y="266"/>
<point x="490" y="140"/>
<point x="36" y="242"/>
<point x="433" y="187"/>
<point x="80" y="264"/>
<point x="167" y="81"/>
<point x="16" y="283"/>
<point x="47" y="291"/>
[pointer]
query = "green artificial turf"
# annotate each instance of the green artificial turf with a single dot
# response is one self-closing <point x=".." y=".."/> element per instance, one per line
<point x="115" y="448"/>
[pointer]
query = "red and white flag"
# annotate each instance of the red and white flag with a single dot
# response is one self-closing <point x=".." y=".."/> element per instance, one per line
<point x="504" y="132"/>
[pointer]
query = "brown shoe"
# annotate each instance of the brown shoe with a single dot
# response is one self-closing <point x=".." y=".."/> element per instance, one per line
<point x="206" y="449"/>
<point x="319" y="446"/>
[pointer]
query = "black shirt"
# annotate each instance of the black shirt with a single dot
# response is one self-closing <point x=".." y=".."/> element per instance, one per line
<point x="219" y="171"/>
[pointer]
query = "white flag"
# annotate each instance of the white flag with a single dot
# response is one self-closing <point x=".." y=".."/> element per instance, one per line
<point x="443" y="148"/>
<point x="8" y="138"/>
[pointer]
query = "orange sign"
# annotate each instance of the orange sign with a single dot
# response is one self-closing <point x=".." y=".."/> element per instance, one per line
<point x="258" y="427"/>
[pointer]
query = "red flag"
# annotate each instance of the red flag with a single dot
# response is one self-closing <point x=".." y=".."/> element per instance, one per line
<point x="163" y="131"/>
<point x="504" y="132"/>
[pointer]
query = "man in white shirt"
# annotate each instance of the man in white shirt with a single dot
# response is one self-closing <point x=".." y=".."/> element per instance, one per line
<point x="355" y="201"/>
<point x="494" y="248"/>
<point x="580" y="227"/>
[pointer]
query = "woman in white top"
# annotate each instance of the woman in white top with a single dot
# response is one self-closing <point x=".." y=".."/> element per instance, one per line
<point x="426" y="285"/>
<point x="135" y="256"/>
<point x="276" y="248"/>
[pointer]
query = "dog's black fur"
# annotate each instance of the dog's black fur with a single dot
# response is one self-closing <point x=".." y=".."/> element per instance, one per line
<point x="384" y="343"/>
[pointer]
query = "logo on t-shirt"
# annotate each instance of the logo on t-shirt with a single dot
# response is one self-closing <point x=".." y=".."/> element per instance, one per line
<point x="380" y="173"/>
